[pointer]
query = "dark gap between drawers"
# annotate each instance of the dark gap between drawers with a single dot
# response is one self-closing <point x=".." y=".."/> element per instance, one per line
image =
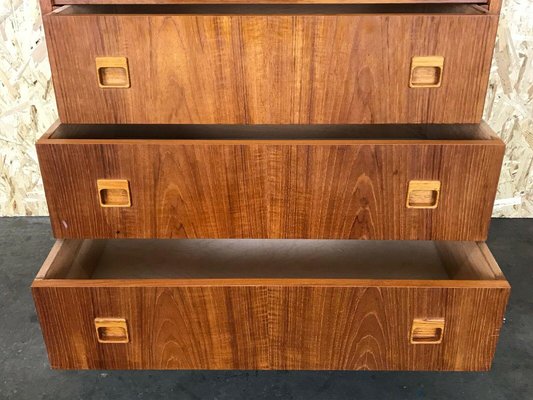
<point x="273" y="9"/>
<point x="275" y="132"/>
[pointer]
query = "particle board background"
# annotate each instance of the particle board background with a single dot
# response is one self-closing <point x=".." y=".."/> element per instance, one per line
<point x="27" y="107"/>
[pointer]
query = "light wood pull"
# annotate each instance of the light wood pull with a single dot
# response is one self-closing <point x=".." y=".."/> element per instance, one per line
<point x="423" y="194"/>
<point x="111" y="330"/>
<point x="426" y="72"/>
<point x="112" y="72"/>
<point x="427" y="331"/>
<point x="114" y="193"/>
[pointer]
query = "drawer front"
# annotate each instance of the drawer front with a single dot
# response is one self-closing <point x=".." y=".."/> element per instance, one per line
<point x="271" y="326"/>
<point x="270" y="69"/>
<point x="306" y="189"/>
<point x="266" y="304"/>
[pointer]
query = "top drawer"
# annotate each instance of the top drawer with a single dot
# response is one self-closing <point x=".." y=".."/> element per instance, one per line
<point x="270" y="64"/>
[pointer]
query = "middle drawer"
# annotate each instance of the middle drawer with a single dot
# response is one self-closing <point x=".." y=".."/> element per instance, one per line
<point x="305" y="182"/>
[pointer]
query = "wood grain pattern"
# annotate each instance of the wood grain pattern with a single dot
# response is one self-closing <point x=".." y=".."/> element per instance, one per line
<point x="273" y="323"/>
<point x="271" y="327"/>
<point x="309" y="189"/>
<point x="270" y="69"/>
<point x="181" y="328"/>
<point x="314" y="323"/>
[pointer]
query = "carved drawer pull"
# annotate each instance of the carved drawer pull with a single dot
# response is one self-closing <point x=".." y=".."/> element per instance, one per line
<point x="427" y="331"/>
<point x="423" y="194"/>
<point x="112" y="72"/>
<point x="111" y="330"/>
<point x="114" y="193"/>
<point x="426" y="72"/>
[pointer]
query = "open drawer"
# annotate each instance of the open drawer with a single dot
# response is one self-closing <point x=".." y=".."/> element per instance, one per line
<point x="268" y="64"/>
<point x="405" y="182"/>
<point x="270" y="304"/>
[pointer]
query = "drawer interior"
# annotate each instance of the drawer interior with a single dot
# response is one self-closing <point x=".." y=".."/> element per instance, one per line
<point x="272" y="9"/>
<point x="269" y="259"/>
<point x="272" y="132"/>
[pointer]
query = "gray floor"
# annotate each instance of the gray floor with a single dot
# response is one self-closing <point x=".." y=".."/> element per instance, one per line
<point x="24" y="371"/>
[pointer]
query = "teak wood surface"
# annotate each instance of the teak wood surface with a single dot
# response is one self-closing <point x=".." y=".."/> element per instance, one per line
<point x="252" y="188"/>
<point x="271" y="323"/>
<point x="269" y="69"/>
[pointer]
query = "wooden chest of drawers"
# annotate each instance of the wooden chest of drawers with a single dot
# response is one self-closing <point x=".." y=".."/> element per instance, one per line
<point x="220" y="136"/>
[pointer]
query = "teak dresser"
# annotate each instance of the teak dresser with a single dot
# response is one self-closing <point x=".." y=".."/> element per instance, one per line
<point x="198" y="144"/>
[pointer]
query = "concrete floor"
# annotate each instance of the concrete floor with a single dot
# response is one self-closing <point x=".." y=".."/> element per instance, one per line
<point x="24" y="371"/>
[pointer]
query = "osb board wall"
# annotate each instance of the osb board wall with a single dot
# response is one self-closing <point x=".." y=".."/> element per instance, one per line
<point x="509" y="107"/>
<point x="27" y="107"/>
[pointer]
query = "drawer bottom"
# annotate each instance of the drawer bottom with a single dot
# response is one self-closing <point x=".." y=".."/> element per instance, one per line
<point x="270" y="304"/>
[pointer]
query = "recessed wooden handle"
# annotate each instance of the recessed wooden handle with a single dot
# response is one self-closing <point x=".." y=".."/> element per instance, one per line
<point x="426" y="72"/>
<point x="112" y="72"/>
<point x="114" y="193"/>
<point x="423" y="194"/>
<point x="427" y="331"/>
<point x="111" y="330"/>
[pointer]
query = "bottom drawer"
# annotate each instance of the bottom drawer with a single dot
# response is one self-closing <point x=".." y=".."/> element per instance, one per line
<point x="270" y="304"/>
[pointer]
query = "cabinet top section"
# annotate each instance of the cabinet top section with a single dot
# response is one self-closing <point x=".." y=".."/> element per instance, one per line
<point x="492" y="6"/>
